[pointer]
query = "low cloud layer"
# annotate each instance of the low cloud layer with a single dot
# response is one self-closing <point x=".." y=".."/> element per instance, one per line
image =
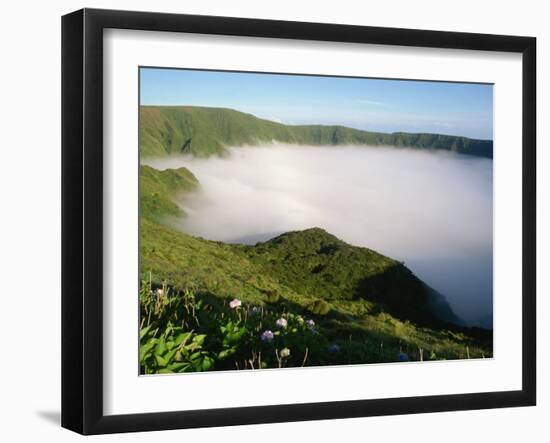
<point x="431" y="210"/>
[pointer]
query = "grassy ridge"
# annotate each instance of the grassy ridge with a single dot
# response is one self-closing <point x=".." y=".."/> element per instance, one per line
<point x="202" y="131"/>
<point x="314" y="262"/>
<point x="304" y="276"/>
<point x="366" y="307"/>
<point x="157" y="189"/>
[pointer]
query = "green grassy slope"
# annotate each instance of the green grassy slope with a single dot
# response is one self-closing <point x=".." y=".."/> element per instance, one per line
<point x="395" y="317"/>
<point x="295" y="268"/>
<point x="316" y="263"/>
<point x="205" y="131"/>
<point x="157" y="189"/>
<point x="368" y="304"/>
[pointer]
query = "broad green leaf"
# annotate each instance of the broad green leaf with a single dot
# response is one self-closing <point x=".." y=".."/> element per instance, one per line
<point x="178" y="367"/>
<point x="170" y="355"/>
<point x="199" y="339"/>
<point x="181" y="338"/>
<point x="207" y="363"/>
<point x="144" y="332"/>
<point x="145" y="349"/>
<point x="160" y="361"/>
<point x="226" y="353"/>
<point x="161" y="346"/>
<point x="195" y="355"/>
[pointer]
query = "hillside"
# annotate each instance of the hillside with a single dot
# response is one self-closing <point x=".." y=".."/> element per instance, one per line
<point x="314" y="262"/>
<point x="158" y="188"/>
<point x="201" y="131"/>
<point x="304" y="268"/>
<point x="359" y="300"/>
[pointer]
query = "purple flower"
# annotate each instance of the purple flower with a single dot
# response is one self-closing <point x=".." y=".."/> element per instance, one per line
<point x="235" y="303"/>
<point x="334" y="348"/>
<point x="310" y="323"/>
<point x="402" y="356"/>
<point x="267" y="336"/>
<point x="281" y="323"/>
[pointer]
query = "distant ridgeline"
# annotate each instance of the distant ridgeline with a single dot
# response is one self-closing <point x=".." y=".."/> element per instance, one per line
<point x="201" y="131"/>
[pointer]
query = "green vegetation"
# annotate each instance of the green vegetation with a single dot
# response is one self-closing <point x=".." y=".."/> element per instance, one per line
<point x="339" y="304"/>
<point x="193" y="330"/>
<point x="167" y="130"/>
<point x="158" y="188"/>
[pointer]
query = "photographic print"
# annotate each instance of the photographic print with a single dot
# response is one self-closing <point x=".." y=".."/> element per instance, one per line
<point x="290" y="221"/>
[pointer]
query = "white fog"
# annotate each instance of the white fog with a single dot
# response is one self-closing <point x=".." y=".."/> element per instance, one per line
<point x="431" y="210"/>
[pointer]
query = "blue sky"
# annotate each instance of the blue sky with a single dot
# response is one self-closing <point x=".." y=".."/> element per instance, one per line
<point x="370" y="104"/>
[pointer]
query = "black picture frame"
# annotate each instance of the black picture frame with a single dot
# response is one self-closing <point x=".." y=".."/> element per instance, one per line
<point x="82" y="220"/>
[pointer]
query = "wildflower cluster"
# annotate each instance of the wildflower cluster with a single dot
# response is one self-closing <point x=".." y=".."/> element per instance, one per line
<point x="189" y="331"/>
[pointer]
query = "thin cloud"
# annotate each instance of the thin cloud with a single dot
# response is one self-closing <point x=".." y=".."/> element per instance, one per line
<point x="372" y="103"/>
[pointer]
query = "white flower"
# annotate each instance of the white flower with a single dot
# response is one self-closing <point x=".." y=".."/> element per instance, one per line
<point x="281" y="323"/>
<point x="310" y="323"/>
<point x="285" y="352"/>
<point x="235" y="303"/>
<point x="160" y="292"/>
